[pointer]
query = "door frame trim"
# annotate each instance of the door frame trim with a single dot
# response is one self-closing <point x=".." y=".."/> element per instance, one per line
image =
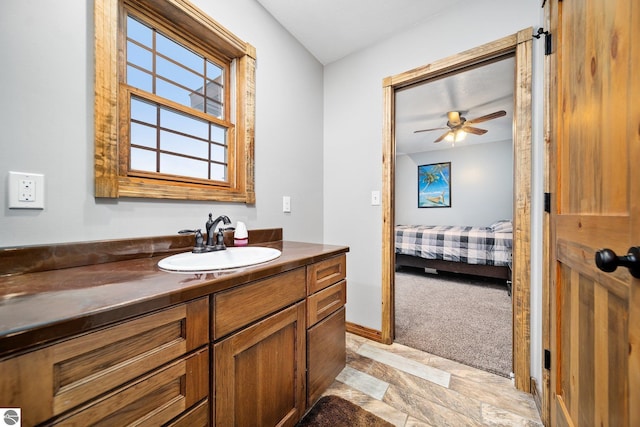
<point x="519" y="45"/>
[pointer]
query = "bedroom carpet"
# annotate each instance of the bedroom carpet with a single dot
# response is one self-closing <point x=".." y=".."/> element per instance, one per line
<point x="458" y="317"/>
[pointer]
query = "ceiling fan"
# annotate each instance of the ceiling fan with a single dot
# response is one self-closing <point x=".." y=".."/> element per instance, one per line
<point x="458" y="126"/>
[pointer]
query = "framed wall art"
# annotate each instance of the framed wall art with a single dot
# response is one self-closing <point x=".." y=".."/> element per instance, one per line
<point x="434" y="185"/>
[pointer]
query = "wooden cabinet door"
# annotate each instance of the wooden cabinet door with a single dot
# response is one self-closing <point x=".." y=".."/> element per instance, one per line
<point x="326" y="354"/>
<point x="259" y="377"/>
<point x="595" y="119"/>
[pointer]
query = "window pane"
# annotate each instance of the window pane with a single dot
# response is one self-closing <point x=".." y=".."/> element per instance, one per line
<point x="218" y="153"/>
<point x="144" y="111"/>
<point x="179" y="75"/>
<point x="215" y="99"/>
<point x="139" y="79"/>
<point x="215" y="91"/>
<point x="139" y="32"/>
<point x="184" y="124"/>
<point x="175" y="165"/>
<point x="214" y="72"/>
<point x="180" y="144"/>
<point x="219" y="134"/>
<point x="143" y="135"/>
<point x="218" y="172"/>
<point x="179" y="53"/>
<point x="139" y="56"/>
<point x="143" y="160"/>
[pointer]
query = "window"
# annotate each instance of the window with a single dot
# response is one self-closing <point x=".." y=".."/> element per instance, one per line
<point x="174" y="105"/>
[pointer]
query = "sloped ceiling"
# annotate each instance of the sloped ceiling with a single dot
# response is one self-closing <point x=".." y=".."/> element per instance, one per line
<point x="333" y="29"/>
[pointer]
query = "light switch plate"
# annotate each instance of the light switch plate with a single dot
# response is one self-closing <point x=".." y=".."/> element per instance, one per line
<point x="286" y="204"/>
<point x="375" y="198"/>
<point x="26" y="190"/>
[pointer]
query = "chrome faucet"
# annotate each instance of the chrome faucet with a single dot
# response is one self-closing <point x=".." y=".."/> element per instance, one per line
<point x="211" y="227"/>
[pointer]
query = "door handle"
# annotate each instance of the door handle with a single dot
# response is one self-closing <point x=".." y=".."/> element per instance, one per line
<point x="608" y="261"/>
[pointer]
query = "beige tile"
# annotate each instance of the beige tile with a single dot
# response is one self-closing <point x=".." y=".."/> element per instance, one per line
<point x="493" y="416"/>
<point x="365" y="383"/>
<point x="355" y="341"/>
<point x="443" y="396"/>
<point x="507" y="398"/>
<point x="473" y="397"/>
<point x="425" y="410"/>
<point x="405" y="364"/>
<point x="414" y="422"/>
<point x="469" y="372"/>
<point x="368" y="403"/>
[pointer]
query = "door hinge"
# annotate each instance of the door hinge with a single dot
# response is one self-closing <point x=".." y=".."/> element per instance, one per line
<point x="547" y="202"/>
<point x="547" y="39"/>
<point x="547" y="359"/>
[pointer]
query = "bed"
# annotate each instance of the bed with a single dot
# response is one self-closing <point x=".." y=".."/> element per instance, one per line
<point x="482" y="251"/>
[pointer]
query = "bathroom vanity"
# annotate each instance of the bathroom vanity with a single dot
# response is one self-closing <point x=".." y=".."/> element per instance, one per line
<point x="95" y="332"/>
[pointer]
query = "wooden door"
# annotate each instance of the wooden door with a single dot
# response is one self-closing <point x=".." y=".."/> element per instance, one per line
<point x="595" y="154"/>
<point x="260" y="372"/>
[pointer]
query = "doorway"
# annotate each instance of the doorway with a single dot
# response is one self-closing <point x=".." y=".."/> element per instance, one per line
<point x="519" y="45"/>
<point x="461" y="317"/>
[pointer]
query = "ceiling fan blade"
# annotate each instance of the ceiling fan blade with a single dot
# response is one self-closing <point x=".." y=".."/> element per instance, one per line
<point x="442" y="136"/>
<point x="475" y="131"/>
<point x="454" y="117"/>
<point x="488" y="117"/>
<point x="428" y="130"/>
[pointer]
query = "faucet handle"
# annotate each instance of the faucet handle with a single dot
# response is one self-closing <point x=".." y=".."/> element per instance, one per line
<point x="199" y="245"/>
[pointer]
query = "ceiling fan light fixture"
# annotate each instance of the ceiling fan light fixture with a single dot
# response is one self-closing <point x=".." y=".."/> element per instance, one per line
<point x="456" y="136"/>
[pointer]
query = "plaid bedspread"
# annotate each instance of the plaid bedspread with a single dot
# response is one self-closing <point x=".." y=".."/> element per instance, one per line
<point x="471" y="245"/>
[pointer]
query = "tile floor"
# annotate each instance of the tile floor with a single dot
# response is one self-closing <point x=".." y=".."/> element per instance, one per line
<point x="408" y="387"/>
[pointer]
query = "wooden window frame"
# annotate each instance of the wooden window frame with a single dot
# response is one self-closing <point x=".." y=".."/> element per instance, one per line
<point x="112" y="180"/>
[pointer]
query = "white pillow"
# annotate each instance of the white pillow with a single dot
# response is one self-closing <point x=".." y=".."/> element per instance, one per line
<point x="502" y="226"/>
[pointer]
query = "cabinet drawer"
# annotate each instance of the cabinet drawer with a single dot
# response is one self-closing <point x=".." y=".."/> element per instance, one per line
<point x="326" y="273"/>
<point x="57" y="378"/>
<point x="323" y="303"/>
<point x="152" y="400"/>
<point x="198" y="416"/>
<point x="241" y="306"/>
<point x="326" y="354"/>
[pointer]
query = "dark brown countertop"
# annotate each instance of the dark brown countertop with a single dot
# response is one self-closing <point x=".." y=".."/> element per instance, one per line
<point x="42" y="306"/>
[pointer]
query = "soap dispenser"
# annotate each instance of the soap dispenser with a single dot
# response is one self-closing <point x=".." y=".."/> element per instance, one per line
<point x="240" y="235"/>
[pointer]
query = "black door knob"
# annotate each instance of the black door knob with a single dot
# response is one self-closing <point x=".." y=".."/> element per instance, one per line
<point x="608" y="261"/>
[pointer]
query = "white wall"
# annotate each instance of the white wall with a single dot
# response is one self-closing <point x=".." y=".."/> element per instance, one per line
<point x="481" y="185"/>
<point x="353" y="132"/>
<point x="46" y="126"/>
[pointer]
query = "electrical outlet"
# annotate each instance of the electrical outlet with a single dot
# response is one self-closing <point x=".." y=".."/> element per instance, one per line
<point x="26" y="190"/>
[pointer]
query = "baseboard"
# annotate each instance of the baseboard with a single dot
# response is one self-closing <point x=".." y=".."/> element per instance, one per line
<point x="364" y="332"/>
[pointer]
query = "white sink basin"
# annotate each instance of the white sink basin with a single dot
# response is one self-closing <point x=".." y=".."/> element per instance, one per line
<point x="234" y="257"/>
